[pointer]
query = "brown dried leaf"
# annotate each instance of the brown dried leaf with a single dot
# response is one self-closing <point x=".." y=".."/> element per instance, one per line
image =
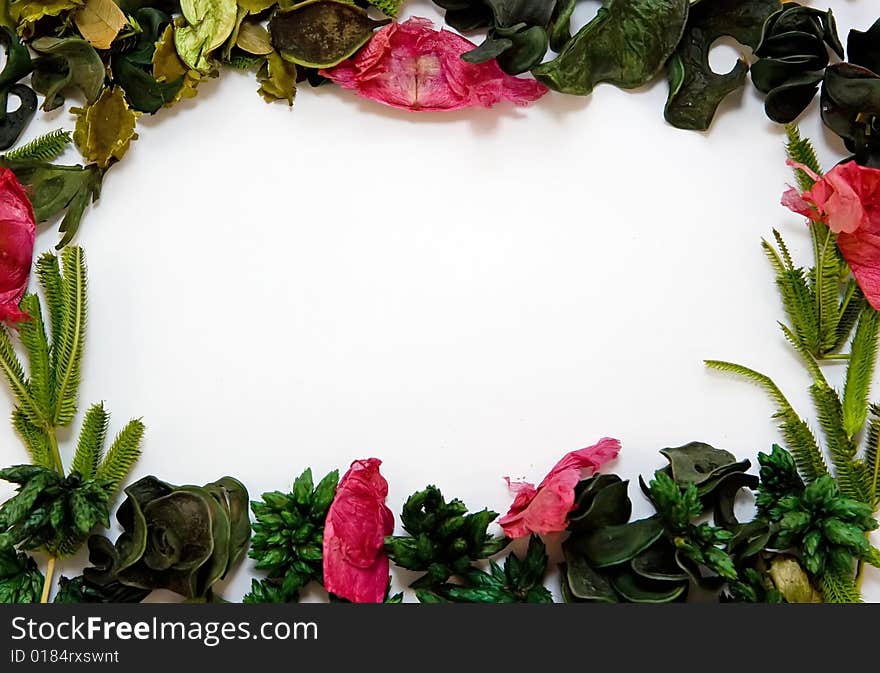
<point x="99" y="22"/>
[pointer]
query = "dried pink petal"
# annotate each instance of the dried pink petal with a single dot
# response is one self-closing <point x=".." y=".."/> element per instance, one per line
<point x="355" y="564"/>
<point x="414" y="67"/>
<point x="545" y="509"/>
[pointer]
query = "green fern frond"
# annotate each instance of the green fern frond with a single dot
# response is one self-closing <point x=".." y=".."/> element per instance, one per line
<point x="45" y="149"/>
<point x="826" y="290"/>
<point x="872" y="456"/>
<point x="34" y="438"/>
<point x="70" y="340"/>
<point x="800" y="150"/>
<point x="33" y="336"/>
<point x="860" y="372"/>
<point x="90" y="448"/>
<point x="799" y="303"/>
<point x="388" y="7"/>
<point x="783" y="249"/>
<point x="839" y="589"/>
<point x="851" y="307"/>
<point x="800" y="439"/>
<point x="14" y="372"/>
<point x="123" y="454"/>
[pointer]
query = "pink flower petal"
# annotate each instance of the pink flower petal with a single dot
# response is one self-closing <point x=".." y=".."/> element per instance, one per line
<point x="545" y="509"/>
<point x="414" y="67"/>
<point x="355" y="564"/>
<point x="17" y="231"/>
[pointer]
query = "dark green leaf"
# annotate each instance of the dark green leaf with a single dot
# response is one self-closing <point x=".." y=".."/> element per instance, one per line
<point x="626" y="44"/>
<point x="616" y="544"/>
<point x="66" y="62"/>
<point x="696" y="462"/>
<point x="863" y="48"/>
<point x="638" y="590"/>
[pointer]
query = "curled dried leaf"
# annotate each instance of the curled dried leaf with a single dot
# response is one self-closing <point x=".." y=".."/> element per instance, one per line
<point x="254" y="39"/>
<point x="99" y="22"/>
<point x="105" y="130"/>
<point x="26" y="13"/>
<point x="321" y="33"/>
<point x="277" y="79"/>
<point x="66" y="62"/>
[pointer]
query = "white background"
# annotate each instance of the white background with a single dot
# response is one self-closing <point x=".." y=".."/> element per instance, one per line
<point x="464" y="295"/>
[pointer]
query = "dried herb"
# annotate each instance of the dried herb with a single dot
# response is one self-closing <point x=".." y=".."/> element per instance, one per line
<point x="444" y="538"/>
<point x="519" y="581"/>
<point x="626" y="44"/>
<point x="277" y="78"/>
<point x="288" y="536"/>
<point x="63" y="63"/>
<point x="20" y="579"/>
<point x="99" y="22"/>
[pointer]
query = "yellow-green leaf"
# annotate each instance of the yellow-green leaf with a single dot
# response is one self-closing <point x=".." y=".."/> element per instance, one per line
<point x="99" y="22"/>
<point x="25" y="13"/>
<point x="254" y="39"/>
<point x="167" y="67"/>
<point x="256" y="6"/>
<point x="105" y="130"/>
<point x="277" y="79"/>
<point x="208" y="24"/>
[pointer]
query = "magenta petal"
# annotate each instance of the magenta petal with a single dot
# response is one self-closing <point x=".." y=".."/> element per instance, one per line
<point x="355" y="564"/>
<point x="17" y="231"/>
<point x="414" y="67"/>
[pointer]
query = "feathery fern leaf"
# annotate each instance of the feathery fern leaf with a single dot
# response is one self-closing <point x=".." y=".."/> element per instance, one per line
<point x="872" y="456"/>
<point x="839" y="589"/>
<point x="123" y="454"/>
<point x="800" y="439"/>
<point x="45" y="148"/>
<point x="800" y="150"/>
<point x="33" y="336"/>
<point x="826" y="289"/>
<point x="49" y="273"/>
<point x="860" y="371"/>
<point x="34" y="438"/>
<point x="14" y="372"/>
<point x="90" y="448"/>
<point x="70" y="340"/>
<point x="850" y="309"/>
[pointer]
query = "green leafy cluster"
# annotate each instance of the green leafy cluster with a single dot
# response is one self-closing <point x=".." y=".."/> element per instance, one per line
<point x="288" y="536"/>
<point x="520" y="580"/>
<point x="828" y="528"/>
<point x="20" y="579"/>
<point x="779" y="478"/>
<point x="444" y="538"/>
<point x="51" y="512"/>
<point x="700" y="543"/>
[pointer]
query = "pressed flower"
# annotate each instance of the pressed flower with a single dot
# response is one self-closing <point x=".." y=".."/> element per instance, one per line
<point x="545" y="509"/>
<point x="355" y="564"/>
<point x="847" y="201"/>
<point x="411" y="66"/>
<point x="17" y="230"/>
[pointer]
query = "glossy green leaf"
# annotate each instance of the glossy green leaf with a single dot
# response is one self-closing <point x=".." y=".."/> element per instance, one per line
<point x="560" y="25"/>
<point x="863" y="48"/>
<point x="584" y="582"/>
<point x="526" y="51"/>
<point x="66" y="62"/>
<point x="616" y="544"/>
<point x="626" y="44"/>
<point x="695" y="462"/>
<point x="695" y="91"/>
<point x="321" y="33"/>
<point x="638" y="590"/>
<point x="608" y="506"/>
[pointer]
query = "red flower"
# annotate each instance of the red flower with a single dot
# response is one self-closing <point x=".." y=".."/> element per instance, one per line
<point x="17" y="230"/>
<point x="847" y="200"/>
<point x="414" y="67"/>
<point x="545" y="509"/>
<point x="355" y="564"/>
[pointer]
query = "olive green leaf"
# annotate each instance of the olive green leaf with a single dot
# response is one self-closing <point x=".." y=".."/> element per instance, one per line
<point x="26" y="13"/>
<point x="253" y="38"/>
<point x="181" y="538"/>
<point x="99" y="22"/>
<point x="863" y="48"/>
<point x="560" y="24"/>
<point x="20" y="579"/>
<point x="695" y="91"/>
<point x="611" y="545"/>
<point x="168" y="68"/>
<point x="626" y="44"/>
<point x="581" y="581"/>
<point x="105" y="130"/>
<point x="5" y="19"/>
<point x="277" y="78"/>
<point x="256" y="6"/>
<point x="208" y="25"/>
<point x="696" y="462"/>
<point x="321" y="33"/>
<point x="66" y="62"/>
